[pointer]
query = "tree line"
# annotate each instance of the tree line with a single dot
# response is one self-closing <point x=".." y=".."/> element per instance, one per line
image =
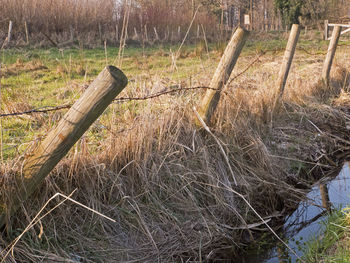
<point x="161" y="19"/>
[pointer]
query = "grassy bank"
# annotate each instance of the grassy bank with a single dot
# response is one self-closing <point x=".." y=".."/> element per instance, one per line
<point x="170" y="186"/>
<point x="333" y="245"/>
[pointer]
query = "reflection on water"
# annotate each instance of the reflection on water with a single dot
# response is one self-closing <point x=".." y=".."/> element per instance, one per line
<point x="304" y="223"/>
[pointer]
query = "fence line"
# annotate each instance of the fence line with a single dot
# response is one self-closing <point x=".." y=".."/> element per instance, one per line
<point x="45" y="109"/>
<point x="167" y="91"/>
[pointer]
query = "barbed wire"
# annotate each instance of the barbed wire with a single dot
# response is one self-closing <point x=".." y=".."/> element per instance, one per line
<point x="43" y="109"/>
<point x="257" y="59"/>
<point x="165" y="92"/>
<point x="311" y="53"/>
<point x="46" y="109"/>
<point x="320" y="53"/>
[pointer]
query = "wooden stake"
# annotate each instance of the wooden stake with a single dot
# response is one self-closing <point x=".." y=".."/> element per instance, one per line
<point x="136" y="35"/>
<point x="330" y="54"/>
<point x="156" y="33"/>
<point x="286" y="63"/>
<point x="106" y="54"/>
<point x="27" y="33"/>
<point x="222" y="74"/>
<point x="71" y="29"/>
<point x="326" y="30"/>
<point x="205" y="40"/>
<point x="9" y="32"/>
<point x="146" y="34"/>
<point x="168" y="33"/>
<point x="108" y="84"/>
<point x="251" y="14"/>
<point x="100" y="31"/>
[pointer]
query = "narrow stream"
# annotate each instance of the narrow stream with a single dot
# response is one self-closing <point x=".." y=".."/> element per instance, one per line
<point x="305" y="223"/>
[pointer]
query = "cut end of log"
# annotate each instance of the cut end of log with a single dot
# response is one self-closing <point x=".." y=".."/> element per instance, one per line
<point x="118" y="75"/>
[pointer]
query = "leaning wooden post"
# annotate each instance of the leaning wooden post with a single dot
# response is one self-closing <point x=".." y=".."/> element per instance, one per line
<point x="330" y="54"/>
<point x="109" y="83"/>
<point x="222" y="74"/>
<point x="286" y="63"/>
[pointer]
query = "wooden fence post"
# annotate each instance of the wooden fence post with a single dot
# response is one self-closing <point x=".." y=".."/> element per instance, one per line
<point x="71" y="31"/>
<point x="9" y="32"/>
<point x="286" y="63"/>
<point x="156" y="33"/>
<point x="100" y="32"/>
<point x="222" y="74"/>
<point x="27" y="32"/>
<point x="326" y="30"/>
<point x="8" y="38"/>
<point x="108" y="84"/>
<point x="330" y="54"/>
<point x="136" y="35"/>
<point x="146" y="34"/>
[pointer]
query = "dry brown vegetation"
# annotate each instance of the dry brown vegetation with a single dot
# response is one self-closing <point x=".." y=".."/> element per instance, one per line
<point x="169" y="184"/>
<point x="91" y="22"/>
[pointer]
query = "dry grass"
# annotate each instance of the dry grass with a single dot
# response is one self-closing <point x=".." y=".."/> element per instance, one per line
<point x="19" y="66"/>
<point x="168" y="184"/>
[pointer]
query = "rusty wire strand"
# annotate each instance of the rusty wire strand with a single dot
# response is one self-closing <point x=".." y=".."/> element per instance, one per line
<point x="46" y="109"/>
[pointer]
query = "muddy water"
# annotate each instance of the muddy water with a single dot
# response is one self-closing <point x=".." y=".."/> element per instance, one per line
<point x="305" y="223"/>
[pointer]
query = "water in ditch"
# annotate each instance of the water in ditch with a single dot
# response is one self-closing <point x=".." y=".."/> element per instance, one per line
<point x="305" y="223"/>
